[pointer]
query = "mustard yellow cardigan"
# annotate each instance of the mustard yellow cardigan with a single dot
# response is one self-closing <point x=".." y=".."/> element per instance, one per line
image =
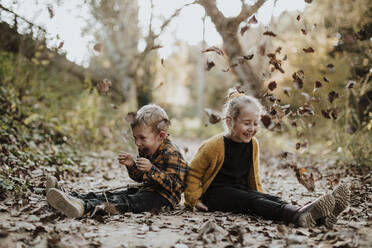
<point x="207" y="162"/>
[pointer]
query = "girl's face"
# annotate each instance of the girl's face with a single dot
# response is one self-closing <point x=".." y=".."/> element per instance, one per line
<point x="245" y="126"/>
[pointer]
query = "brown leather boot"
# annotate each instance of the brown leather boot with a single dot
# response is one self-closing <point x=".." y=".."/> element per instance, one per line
<point x="307" y="215"/>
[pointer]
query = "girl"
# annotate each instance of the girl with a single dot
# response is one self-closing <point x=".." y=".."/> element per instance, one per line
<point x="224" y="175"/>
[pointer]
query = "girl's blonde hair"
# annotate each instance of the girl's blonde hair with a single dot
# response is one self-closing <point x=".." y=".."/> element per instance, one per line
<point x="154" y="116"/>
<point x="236" y="101"/>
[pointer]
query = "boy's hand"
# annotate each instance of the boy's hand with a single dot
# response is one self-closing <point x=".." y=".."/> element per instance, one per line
<point x="143" y="164"/>
<point x="126" y="159"/>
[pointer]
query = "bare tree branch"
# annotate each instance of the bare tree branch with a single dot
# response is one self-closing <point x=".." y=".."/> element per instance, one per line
<point x="248" y="11"/>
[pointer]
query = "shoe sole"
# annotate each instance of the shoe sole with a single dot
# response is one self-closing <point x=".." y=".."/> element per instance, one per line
<point x="342" y="199"/>
<point x="320" y="208"/>
<point x="60" y="201"/>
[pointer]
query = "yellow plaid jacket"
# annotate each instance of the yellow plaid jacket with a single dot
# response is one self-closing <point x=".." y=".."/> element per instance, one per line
<point x="167" y="175"/>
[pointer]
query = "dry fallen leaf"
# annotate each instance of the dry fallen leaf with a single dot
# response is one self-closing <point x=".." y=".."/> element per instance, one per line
<point x="252" y="20"/>
<point x="210" y="65"/>
<point x="98" y="47"/>
<point x="51" y="12"/>
<point x="269" y="33"/>
<point x="272" y="85"/>
<point x="213" y="116"/>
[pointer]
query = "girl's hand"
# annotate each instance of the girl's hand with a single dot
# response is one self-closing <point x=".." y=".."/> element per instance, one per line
<point x="143" y="164"/>
<point x="126" y="159"/>
<point x="200" y="206"/>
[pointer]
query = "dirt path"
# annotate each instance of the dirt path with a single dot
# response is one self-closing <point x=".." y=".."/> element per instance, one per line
<point x="34" y="224"/>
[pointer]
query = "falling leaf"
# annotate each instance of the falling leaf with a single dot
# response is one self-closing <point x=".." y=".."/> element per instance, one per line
<point x="306" y="109"/>
<point x="213" y="117"/>
<point x="210" y="65"/>
<point x="331" y="67"/>
<point x="266" y="120"/>
<point x="269" y="33"/>
<point x="51" y="12"/>
<point x="286" y="90"/>
<point x="307" y="96"/>
<point x="298" y="18"/>
<point x="298" y="146"/>
<point x="253" y="20"/>
<point x="317" y="85"/>
<point x="350" y="129"/>
<point x="131" y="117"/>
<point x="285" y="57"/>
<point x="273" y="111"/>
<point x="60" y="45"/>
<point x="278" y="50"/>
<point x="240" y="89"/>
<point x="262" y="50"/>
<point x="243" y="30"/>
<point x="272" y="85"/>
<point x="334" y="113"/>
<point x="158" y="86"/>
<point x="332" y="96"/>
<point x="186" y="149"/>
<point x="98" y="47"/>
<point x="156" y="47"/>
<point x="297" y="79"/>
<point x="308" y="1"/>
<point x="103" y="86"/>
<point x="326" y="114"/>
<point x="326" y="79"/>
<point x="304" y="178"/>
<point x="214" y="49"/>
<point x="275" y="62"/>
<point x="248" y="57"/>
<point x="304" y="33"/>
<point x="162" y="62"/>
<point x="350" y="84"/>
<point x="308" y="50"/>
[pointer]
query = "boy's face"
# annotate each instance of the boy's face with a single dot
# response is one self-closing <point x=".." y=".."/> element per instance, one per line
<point x="245" y="126"/>
<point x="147" y="140"/>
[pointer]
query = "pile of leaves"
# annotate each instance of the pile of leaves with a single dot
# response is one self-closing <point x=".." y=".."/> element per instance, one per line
<point x="30" y="147"/>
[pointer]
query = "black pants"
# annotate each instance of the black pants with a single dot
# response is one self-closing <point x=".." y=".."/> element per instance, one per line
<point x="130" y="200"/>
<point x="242" y="199"/>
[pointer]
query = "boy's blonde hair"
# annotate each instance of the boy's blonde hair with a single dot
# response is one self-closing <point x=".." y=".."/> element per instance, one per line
<point x="152" y="115"/>
<point x="236" y="101"/>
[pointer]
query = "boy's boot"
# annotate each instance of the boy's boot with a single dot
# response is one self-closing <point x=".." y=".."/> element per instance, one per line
<point x="342" y="199"/>
<point x="307" y="215"/>
<point x="52" y="182"/>
<point x="68" y="205"/>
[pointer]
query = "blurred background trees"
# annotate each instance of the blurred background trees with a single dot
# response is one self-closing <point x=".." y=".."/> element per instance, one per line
<point x="140" y="51"/>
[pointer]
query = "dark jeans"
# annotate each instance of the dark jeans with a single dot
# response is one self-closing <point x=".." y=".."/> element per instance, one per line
<point x="242" y="199"/>
<point x="130" y="200"/>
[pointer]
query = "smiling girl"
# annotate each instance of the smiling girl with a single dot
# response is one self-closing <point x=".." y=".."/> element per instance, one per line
<point x="224" y="174"/>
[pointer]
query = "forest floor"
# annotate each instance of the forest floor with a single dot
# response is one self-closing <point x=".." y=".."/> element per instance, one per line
<point x="32" y="223"/>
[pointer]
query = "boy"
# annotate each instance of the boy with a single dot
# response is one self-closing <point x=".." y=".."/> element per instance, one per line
<point x="160" y="166"/>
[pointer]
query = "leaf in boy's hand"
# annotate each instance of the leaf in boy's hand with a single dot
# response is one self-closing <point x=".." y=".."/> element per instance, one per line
<point x="214" y="49"/>
<point x="110" y="209"/>
<point x="103" y="86"/>
<point x="308" y="50"/>
<point x="131" y="117"/>
<point x="213" y="117"/>
<point x="272" y="85"/>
